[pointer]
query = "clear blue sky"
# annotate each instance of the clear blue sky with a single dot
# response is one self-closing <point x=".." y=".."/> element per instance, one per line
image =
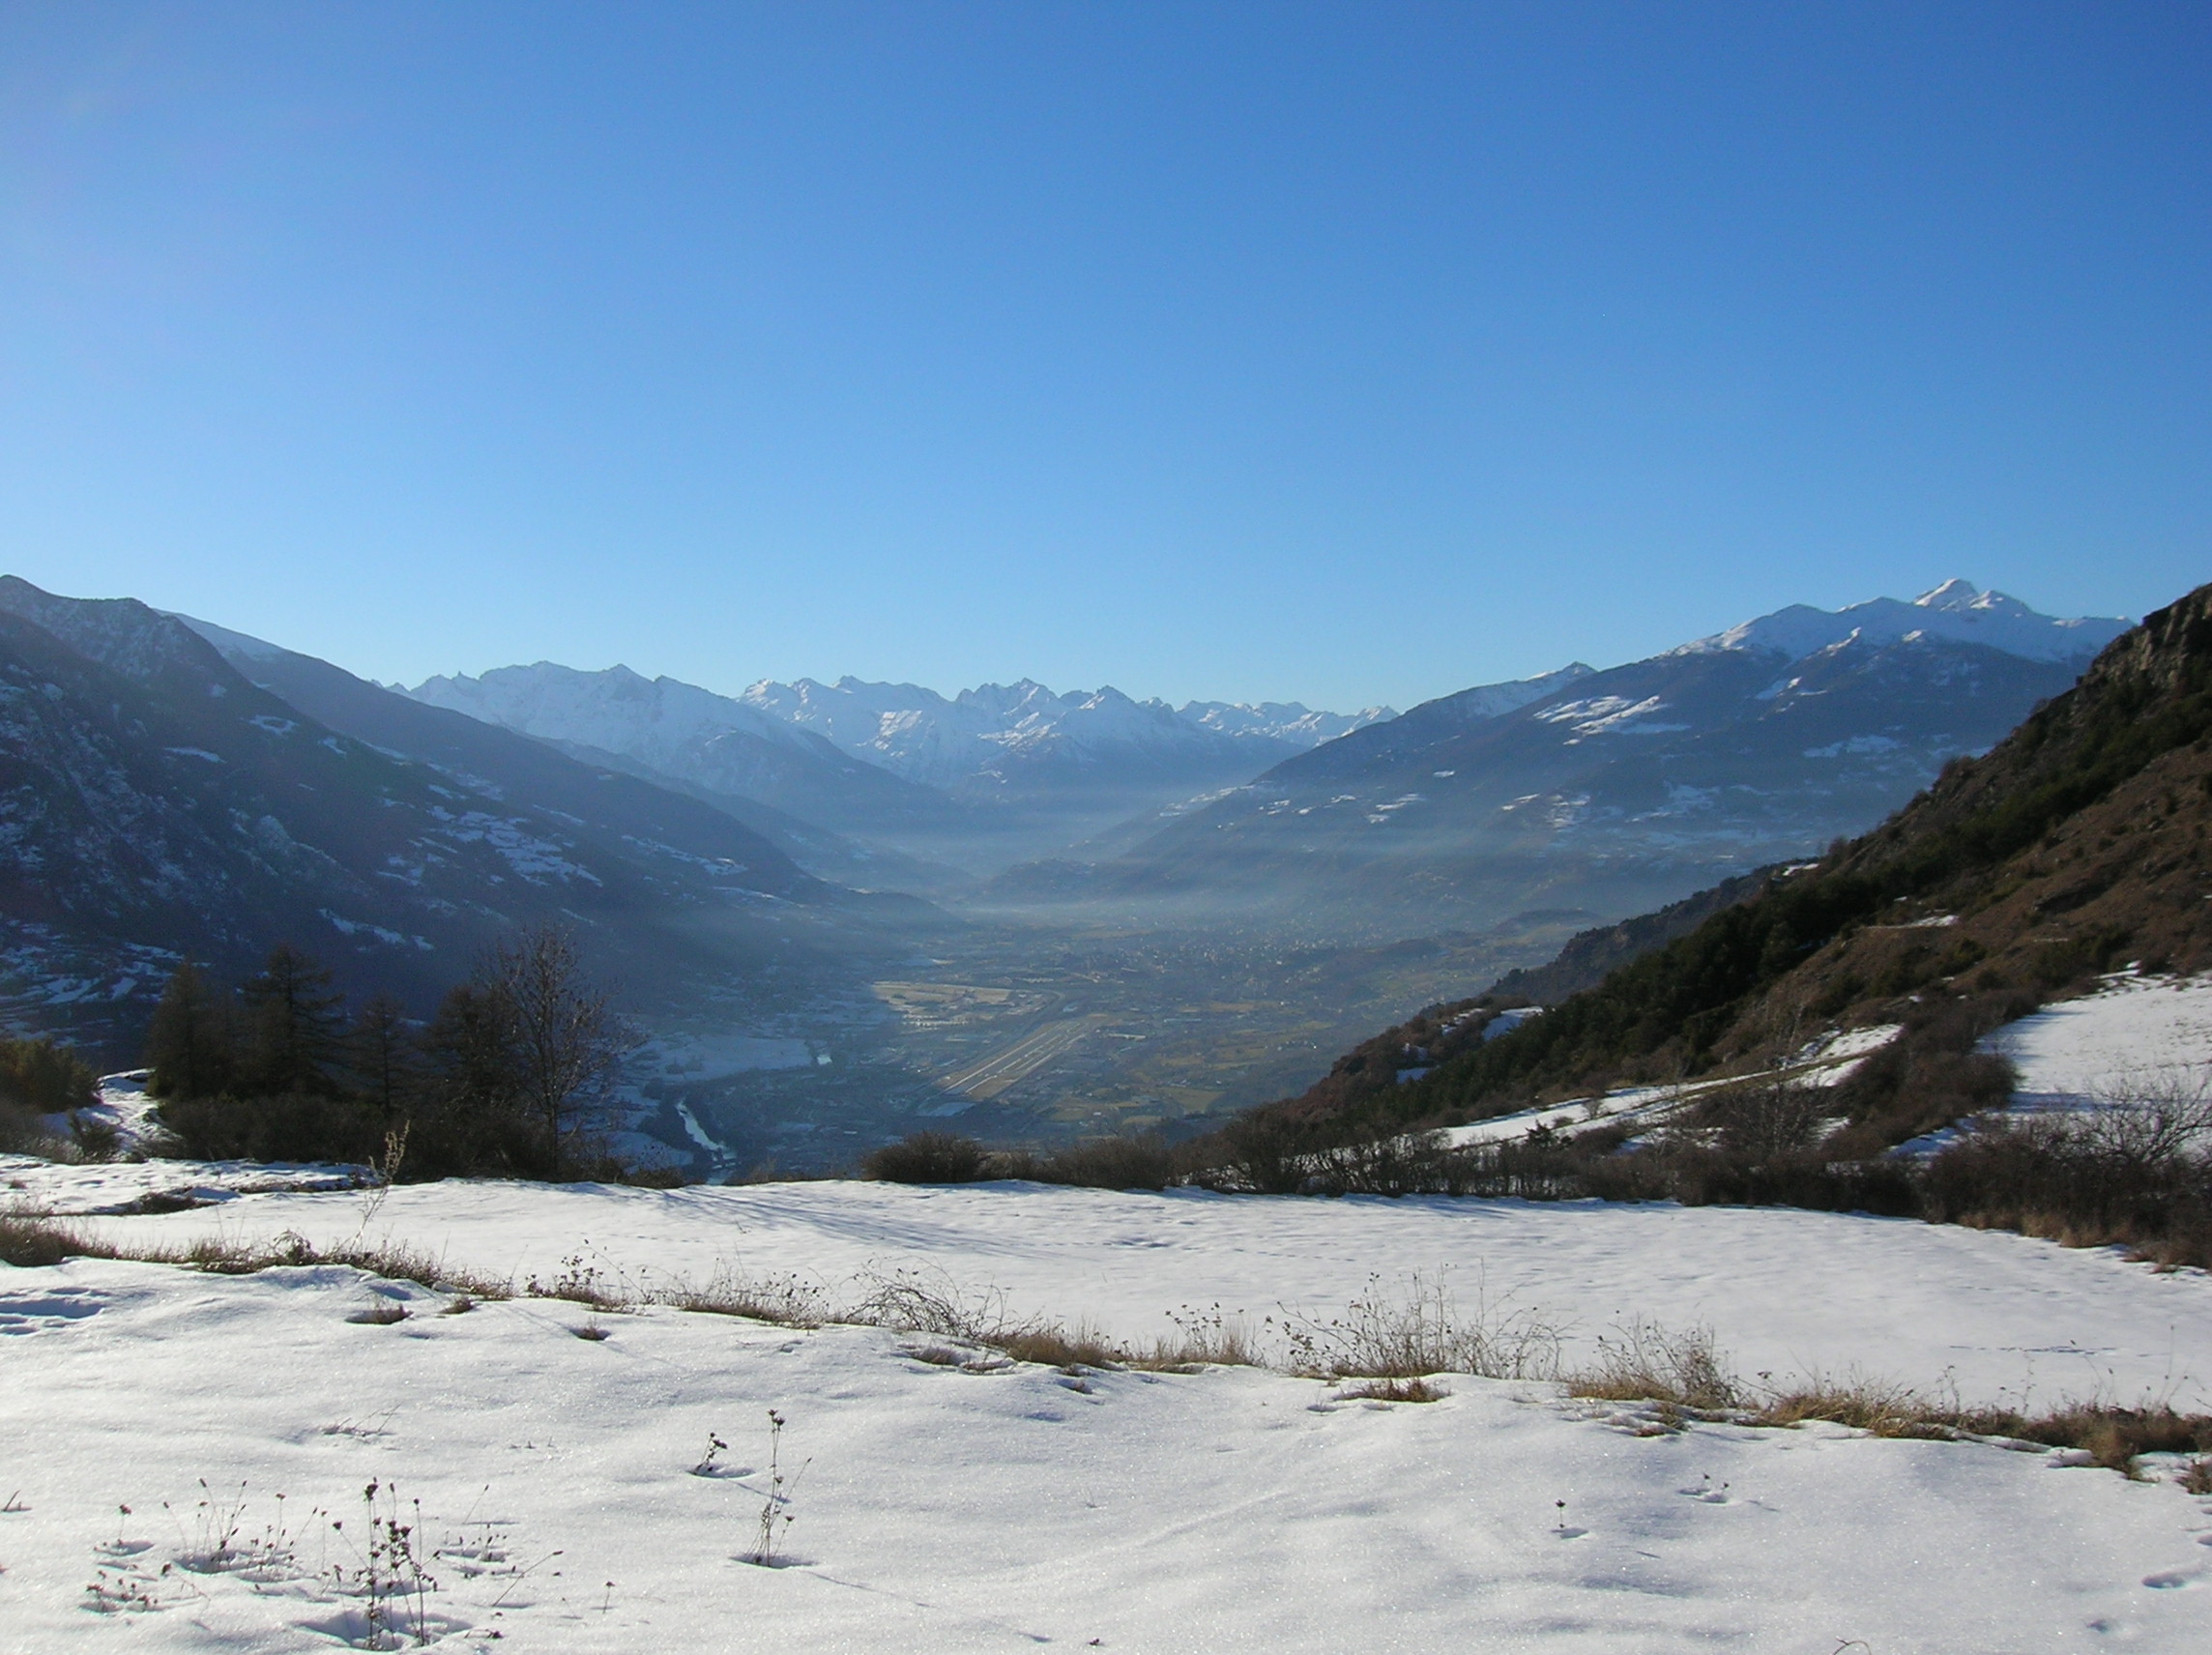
<point x="1349" y="352"/>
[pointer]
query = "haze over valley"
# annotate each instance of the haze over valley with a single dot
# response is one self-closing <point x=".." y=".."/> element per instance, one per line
<point x="842" y="913"/>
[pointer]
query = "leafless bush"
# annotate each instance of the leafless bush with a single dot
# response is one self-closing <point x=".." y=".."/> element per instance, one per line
<point x="24" y="1133"/>
<point x="2135" y="1169"/>
<point x="911" y="1300"/>
<point x="1645" y="1363"/>
<point x="928" y="1158"/>
<point x="1141" y="1161"/>
<point x="787" y="1299"/>
<point x="1766" y="1123"/>
<point x="1419" y="1331"/>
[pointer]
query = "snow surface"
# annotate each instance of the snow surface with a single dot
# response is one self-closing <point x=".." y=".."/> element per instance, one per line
<point x="941" y="1509"/>
<point x="2137" y="1034"/>
<point x="1785" y="1291"/>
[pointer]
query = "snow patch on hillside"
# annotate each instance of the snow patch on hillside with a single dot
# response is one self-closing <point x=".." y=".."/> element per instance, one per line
<point x="2139" y="1034"/>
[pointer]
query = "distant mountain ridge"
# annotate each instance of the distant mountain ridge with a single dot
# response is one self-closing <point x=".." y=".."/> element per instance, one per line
<point x="985" y="778"/>
<point x="993" y="737"/>
<point x="157" y="803"/>
<point x="985" y="745"/>
<point x="1954" y="612"/>
<point x="1621" y="789"/>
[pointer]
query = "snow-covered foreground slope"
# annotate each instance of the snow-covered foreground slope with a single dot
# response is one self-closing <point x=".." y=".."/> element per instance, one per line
<point x="1227" y="1509"/>
<point x="1787" y="1292"/>
<point x="937" y="1509"/>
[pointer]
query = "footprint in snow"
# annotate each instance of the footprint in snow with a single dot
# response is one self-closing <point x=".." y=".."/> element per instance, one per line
<point x="2172" y="1579"/>
<point x="41" y="1312"/>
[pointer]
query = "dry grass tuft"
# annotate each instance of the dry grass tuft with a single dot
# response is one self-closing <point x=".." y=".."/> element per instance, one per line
<point x="1421" y="1330"/>
<point x="1686" y="1376"/>
<point x="1647" y="1363"/>
<point x="1393" y="1391"/>
<point x="786" y="1300"/>
<point x="30" y="1240"/>
<point x="1055" y="1347"/>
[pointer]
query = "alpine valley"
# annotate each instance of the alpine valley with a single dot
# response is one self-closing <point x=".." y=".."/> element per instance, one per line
<point x="837" y="912"/>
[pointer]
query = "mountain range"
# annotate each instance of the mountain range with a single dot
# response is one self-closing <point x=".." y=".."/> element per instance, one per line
<point x="976" y="780"/>
<point x="1608" y="792"/>
<point x="161" y="800"/>
<point x="1114" y="878"/>
<point x="2078" y="844"/>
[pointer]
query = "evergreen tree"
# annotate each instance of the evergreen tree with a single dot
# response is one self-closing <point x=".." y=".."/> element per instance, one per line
<point x="382" y="1055"/>
<point x="467" y="1122"/>
<point x="191" y="1043"/>
<point x="297" y="1022"/>
<point x="45" y="1077"/>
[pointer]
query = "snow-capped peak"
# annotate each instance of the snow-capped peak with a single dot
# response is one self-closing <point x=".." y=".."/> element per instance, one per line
<point x="1955" y="611"/>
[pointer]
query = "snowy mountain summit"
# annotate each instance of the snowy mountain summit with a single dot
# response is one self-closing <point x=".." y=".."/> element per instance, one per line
<point x="1955" y="611"/>
<point x="996" y="729"/>
<point x="982" y="741"/>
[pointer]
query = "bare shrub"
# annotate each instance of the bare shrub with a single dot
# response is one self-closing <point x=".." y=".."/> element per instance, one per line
<point x="1766" y="1123"/>
<point x="913" y="1300"/>
<point x="1645" y="1363"/>
<point x="2135" y="1171"/>
<point x="928" y="1158"/>
<point x="1419" y="1331"/>
<point x="23" y="1133"/>
<point x="1129" y="1162"/>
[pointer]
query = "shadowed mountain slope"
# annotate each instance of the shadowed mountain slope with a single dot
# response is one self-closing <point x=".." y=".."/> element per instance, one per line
<point x="155" y="804"/>
<point x="1619" y="790"/>
<point x="2077" y="843"/>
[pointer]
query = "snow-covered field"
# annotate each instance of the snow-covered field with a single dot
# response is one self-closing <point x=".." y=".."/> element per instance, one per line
<point x="1784" y="1291"/>
<point x="2137" y="1035"/>
<point x="147" y="1412"/>
<point x="942" y="1509"/>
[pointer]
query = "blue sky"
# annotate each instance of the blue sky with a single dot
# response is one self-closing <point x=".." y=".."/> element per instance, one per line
<point x="1345" y="353"/>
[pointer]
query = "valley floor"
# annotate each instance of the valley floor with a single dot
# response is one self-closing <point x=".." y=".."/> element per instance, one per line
<point x="938" y="1508"/>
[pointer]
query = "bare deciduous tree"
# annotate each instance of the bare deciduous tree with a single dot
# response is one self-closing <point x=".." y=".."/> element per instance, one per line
<point x="568" y="1046"/>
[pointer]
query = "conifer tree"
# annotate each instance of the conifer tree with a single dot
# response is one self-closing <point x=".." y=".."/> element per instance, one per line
<point x="382" y="1056"/>
<point x="297" y="1024"/>
<point x="191" y="1043"/>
